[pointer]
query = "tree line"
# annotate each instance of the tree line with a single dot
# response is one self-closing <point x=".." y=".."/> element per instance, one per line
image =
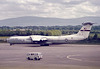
<point x="18" y="32"/>
<point x="43" y="30"/>
<point x="69" y="27"/>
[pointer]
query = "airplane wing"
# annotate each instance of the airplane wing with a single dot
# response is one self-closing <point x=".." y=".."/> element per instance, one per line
<point x="40" y="39"/>
<point x="36" y="38"/>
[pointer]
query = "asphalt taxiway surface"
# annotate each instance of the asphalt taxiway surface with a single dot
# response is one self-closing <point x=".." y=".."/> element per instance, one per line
<point x="55" y="56"/>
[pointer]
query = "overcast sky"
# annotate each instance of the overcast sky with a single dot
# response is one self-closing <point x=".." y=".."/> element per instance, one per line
<point x="49" y="8"/>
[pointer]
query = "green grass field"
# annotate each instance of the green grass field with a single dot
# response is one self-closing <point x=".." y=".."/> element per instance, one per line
<point x="4" y="37"/>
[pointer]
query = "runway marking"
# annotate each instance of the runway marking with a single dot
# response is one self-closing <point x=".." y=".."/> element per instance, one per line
<point x="71" y="57"/>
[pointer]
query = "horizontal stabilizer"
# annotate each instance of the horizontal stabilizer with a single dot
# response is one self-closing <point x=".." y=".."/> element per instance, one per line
<point x="88" y="23"/>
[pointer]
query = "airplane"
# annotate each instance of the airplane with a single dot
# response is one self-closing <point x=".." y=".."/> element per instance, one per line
<point x="48" y="40"/>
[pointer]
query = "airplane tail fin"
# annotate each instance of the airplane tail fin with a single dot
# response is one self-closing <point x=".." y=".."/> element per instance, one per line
<point x="85" y="30"/>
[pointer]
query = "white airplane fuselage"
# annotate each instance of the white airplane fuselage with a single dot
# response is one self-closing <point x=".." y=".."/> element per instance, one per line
<point x="51" y="39"/>
<point x="47" y="40"/>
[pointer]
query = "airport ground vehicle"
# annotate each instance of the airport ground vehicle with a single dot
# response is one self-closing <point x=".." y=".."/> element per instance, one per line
<point x="34" y="56"/>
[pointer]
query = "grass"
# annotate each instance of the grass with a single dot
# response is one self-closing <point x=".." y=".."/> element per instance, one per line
<point x="92" y="34"/>
<point x="3" y="39"/>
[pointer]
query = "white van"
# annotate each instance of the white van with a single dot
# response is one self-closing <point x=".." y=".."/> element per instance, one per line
<point x="34" y="56"/>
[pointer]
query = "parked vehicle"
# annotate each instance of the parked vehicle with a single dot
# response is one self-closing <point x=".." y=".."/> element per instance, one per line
<point x="34" y="56"/>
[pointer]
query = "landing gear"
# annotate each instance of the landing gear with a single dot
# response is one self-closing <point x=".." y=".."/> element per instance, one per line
<point x="44" y="44"/>
<point x="11" y="44"/>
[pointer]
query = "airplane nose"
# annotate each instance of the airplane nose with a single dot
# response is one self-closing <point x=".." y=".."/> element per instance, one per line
<point x="8" y="40"/>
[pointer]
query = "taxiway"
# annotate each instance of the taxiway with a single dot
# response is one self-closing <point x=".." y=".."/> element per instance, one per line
<point x="55" y="56"/>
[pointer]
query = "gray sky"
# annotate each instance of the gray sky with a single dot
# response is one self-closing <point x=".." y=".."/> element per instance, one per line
<point x="49" y="8"/>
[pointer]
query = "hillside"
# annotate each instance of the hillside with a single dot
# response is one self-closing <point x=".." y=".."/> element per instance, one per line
<point x="41" y="21"/>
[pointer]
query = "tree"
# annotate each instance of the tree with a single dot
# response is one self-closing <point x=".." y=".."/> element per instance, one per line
<point x="95" y="37"/>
